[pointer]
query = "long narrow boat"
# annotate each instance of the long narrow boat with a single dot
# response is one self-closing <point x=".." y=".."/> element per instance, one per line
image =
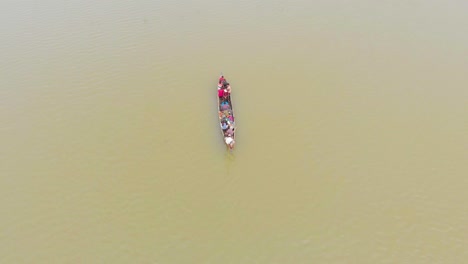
<point x="226" y="114"/>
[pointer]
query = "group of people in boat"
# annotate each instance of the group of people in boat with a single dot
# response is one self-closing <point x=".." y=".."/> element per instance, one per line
<point x="224" y="89"/>
<point x="225" y="112"/>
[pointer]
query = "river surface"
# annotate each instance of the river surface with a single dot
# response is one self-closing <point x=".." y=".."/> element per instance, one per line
<point x="352" y="139"/>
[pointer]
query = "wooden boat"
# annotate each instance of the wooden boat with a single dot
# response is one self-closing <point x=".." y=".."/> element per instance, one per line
<point x="226" y="114"/>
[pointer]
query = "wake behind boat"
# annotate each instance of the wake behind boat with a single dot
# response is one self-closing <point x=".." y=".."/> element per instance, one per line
<point x="226" y="114"/>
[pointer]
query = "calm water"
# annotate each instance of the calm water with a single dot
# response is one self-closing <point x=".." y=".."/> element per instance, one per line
<point x="352" y="141"/>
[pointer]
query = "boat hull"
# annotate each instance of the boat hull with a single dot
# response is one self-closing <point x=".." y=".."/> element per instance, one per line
<point x="226" y="116"/>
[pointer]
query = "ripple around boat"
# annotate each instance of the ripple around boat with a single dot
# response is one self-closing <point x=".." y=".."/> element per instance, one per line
<point x="226" y="113"/>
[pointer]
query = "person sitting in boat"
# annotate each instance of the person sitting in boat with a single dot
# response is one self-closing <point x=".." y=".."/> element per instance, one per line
<point x="229" y="141"/>
<point x="230" y="130"/>
<point x="226" y="115"/>
<point x="229" y="116"/>
<point x="224" y="125"/>
<point x="222" y="116"/>
<point x="225" y="106"/>
<point x="221" y="83"/>
<point x="226" y="92"/>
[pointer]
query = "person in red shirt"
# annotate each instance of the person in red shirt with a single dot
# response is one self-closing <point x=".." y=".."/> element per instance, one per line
<point x="221" y="79"/>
